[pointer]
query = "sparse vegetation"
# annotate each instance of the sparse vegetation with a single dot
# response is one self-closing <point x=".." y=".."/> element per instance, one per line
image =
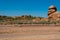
<point x="25" y="19"/>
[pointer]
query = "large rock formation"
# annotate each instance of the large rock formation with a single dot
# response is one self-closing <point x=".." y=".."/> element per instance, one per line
<point x="53" y="14"/>
<point x="51" y="10"/>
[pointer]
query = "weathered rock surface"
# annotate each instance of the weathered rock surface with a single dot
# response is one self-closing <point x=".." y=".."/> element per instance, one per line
<point x="53" y="14"/>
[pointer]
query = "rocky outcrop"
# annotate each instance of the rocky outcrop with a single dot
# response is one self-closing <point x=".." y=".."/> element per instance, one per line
<point x="51" y="10"/>
<point x="53" y="14"/>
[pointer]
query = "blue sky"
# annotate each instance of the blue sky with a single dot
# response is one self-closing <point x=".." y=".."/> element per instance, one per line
<point x="27" y="7"/>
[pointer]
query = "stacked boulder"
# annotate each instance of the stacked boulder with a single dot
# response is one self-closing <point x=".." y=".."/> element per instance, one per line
<point x="51" y="10"/>
<point x="53" y="14"/>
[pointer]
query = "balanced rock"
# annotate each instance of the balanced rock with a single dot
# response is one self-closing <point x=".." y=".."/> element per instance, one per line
<point x="53" y="14"/>
<point x="51" y="10"/>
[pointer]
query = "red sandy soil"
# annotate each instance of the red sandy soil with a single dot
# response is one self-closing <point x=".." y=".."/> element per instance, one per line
<point x="29" y="32"/>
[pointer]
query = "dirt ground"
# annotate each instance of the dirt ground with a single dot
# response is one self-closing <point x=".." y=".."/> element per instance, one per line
<point x="29" y="32"/>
